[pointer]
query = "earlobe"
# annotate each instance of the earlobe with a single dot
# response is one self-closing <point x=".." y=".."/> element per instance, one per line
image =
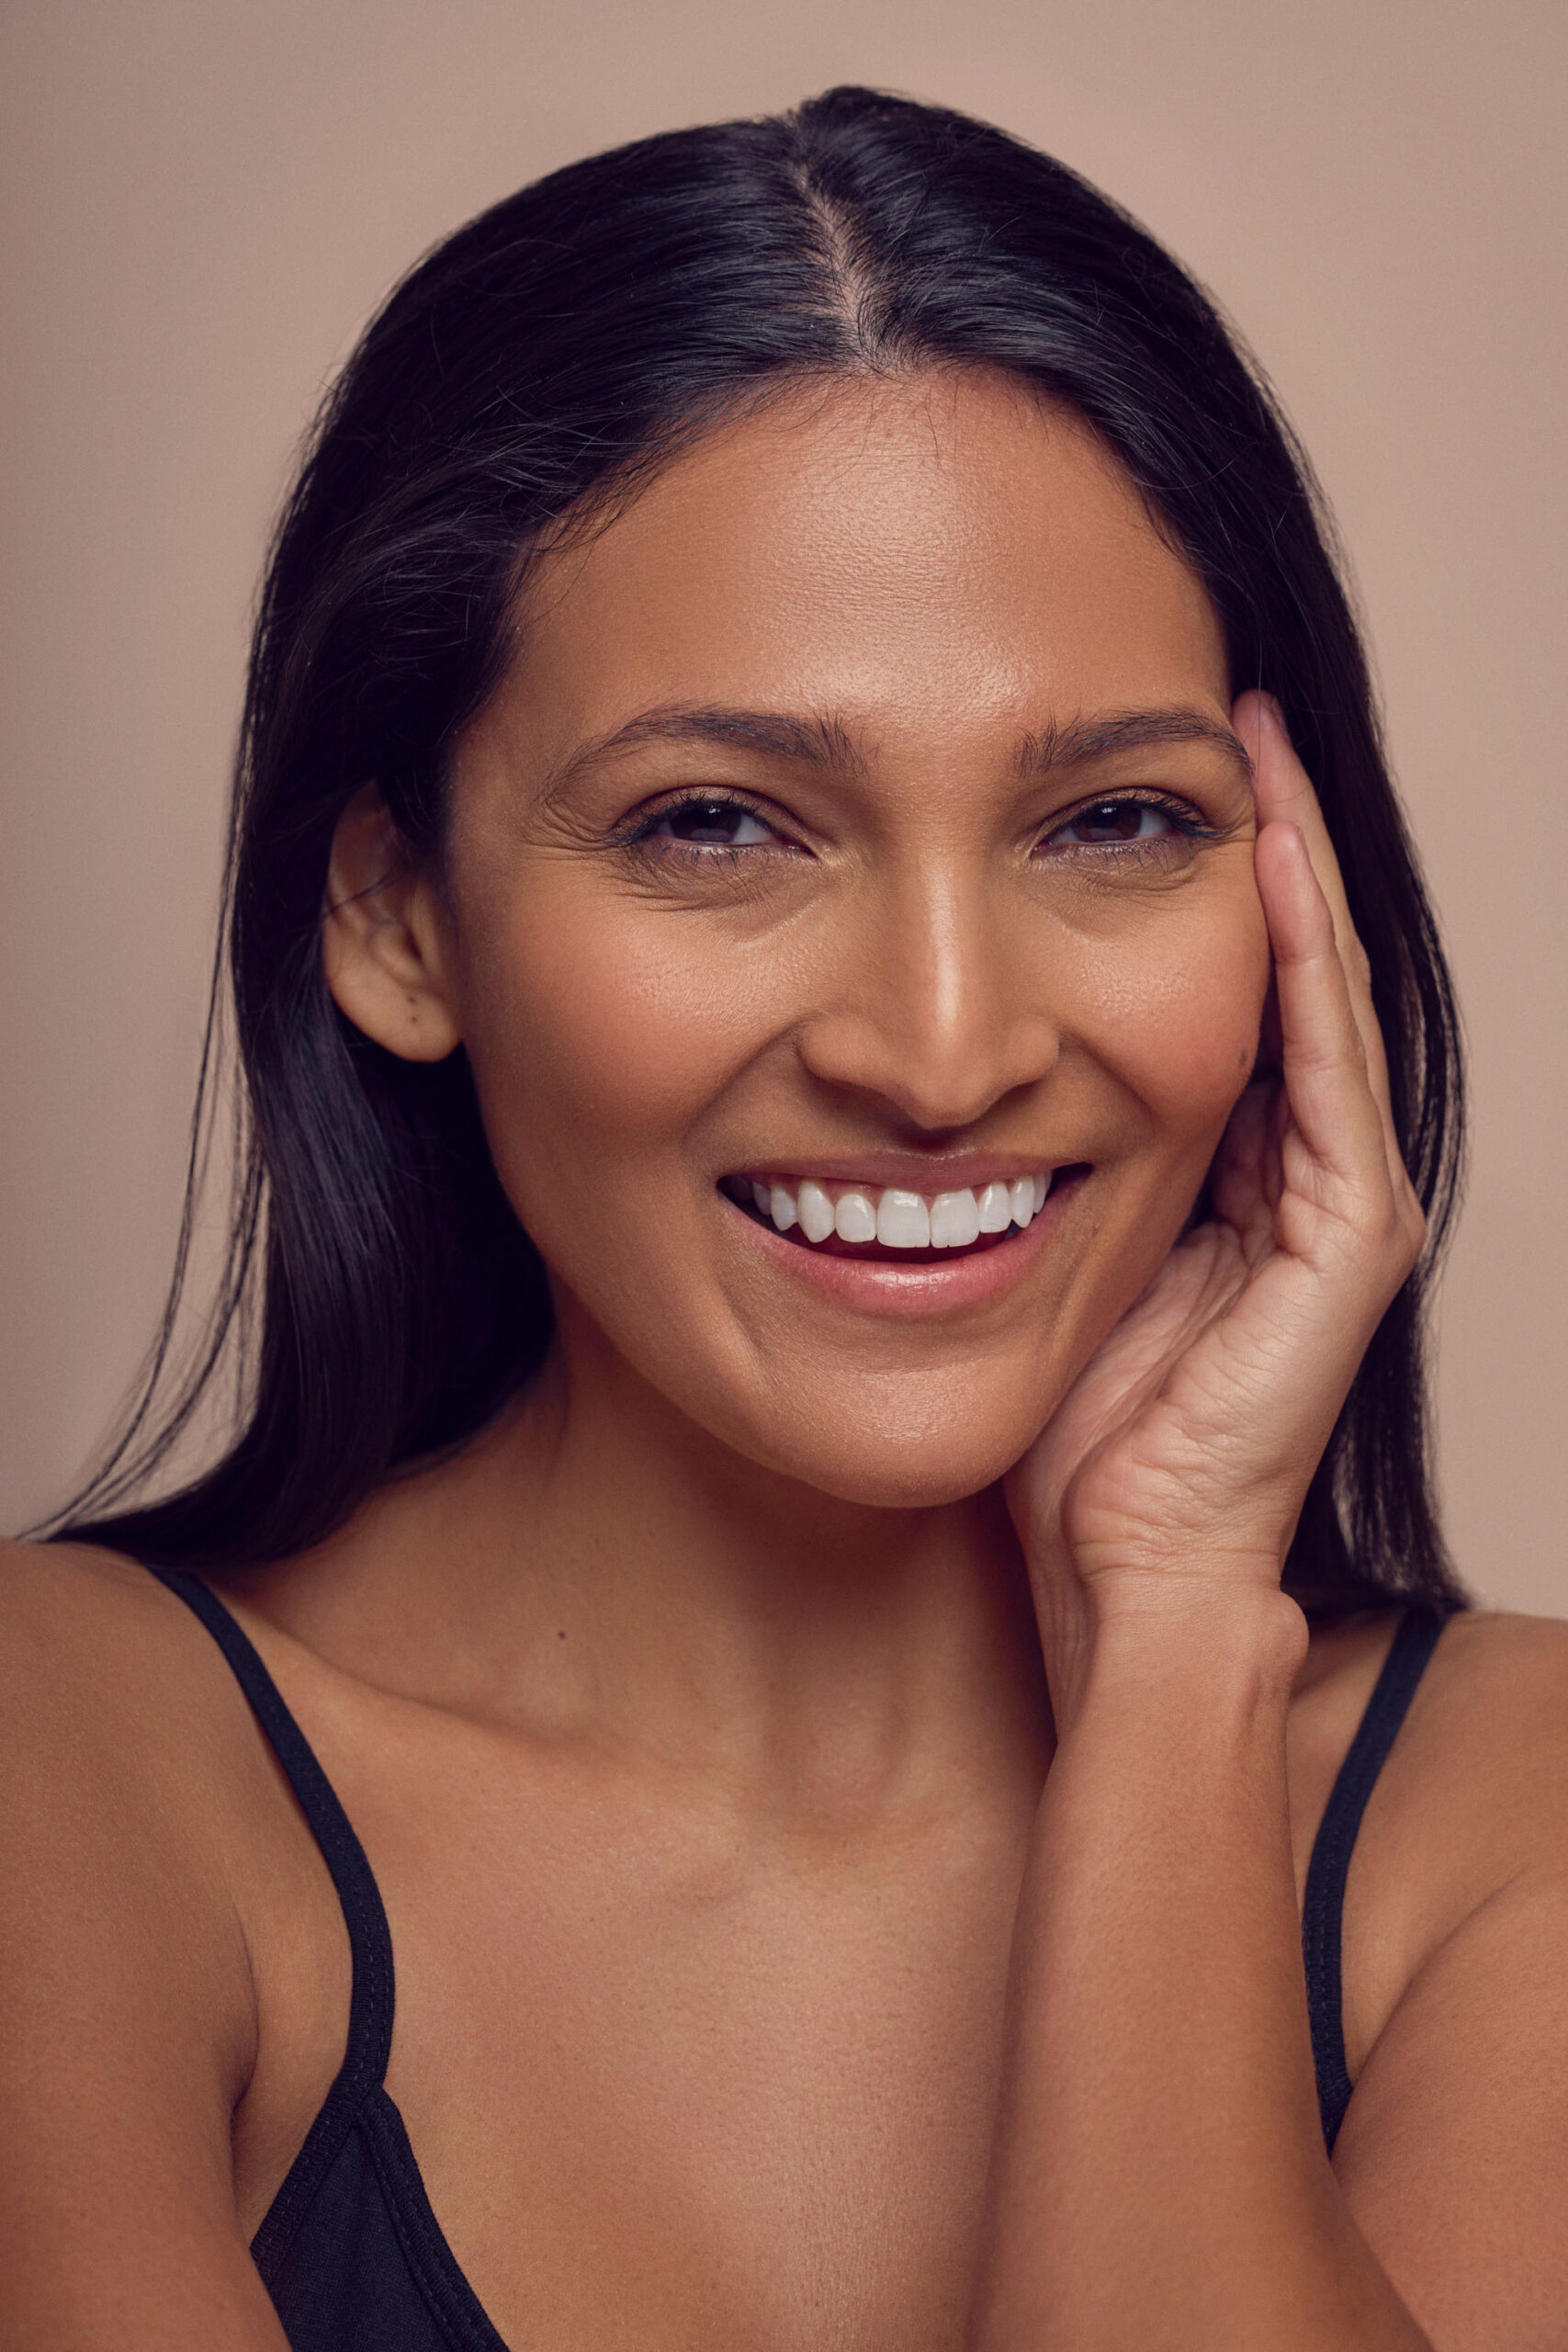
<point x="385" y="937"/>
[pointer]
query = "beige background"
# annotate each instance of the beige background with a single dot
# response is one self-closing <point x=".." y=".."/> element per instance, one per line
<point x="202" y="202"/>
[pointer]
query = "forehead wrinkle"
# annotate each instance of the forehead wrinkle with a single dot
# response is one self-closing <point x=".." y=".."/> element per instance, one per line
<point x="1082" y="739"/>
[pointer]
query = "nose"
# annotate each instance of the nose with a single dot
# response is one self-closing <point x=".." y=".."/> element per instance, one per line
<point x="934" y="1009"/>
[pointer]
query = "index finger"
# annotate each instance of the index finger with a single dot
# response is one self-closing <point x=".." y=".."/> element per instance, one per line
<point x="1282" y="788"/>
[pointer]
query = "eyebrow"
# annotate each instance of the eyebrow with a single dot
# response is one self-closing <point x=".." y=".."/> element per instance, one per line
<point x="1083" y="739"/>
<point x="822" y="740"/>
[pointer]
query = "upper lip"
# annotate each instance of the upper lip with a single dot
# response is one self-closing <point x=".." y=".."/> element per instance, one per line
<point x="928" y="1173"/>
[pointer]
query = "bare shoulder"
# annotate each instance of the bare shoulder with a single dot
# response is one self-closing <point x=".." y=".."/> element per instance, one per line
<point x="1467" y="1821"/>
<point x="131" y="1756"/>
<point x="76" y="1601"/>
<point x="136" y="1799"/>
<point x="136" y="1783"/>
<point x="114" y="1705"/>
<point x="1454" y="2154"/>
<point x="1483" y="1649"/>
<point x="1484" y="1759"/>
<point x="97" y="1657"/>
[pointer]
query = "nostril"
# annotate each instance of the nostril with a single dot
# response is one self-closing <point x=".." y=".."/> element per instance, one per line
<point x="940" y="1072"/>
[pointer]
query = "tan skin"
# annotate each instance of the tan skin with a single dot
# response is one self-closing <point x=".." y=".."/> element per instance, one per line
<point x="696" y="1719"/>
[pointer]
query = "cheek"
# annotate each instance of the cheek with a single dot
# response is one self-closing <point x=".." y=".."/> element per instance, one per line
<point x="1176" y="1017"/>
<point x="604" y="1040"/>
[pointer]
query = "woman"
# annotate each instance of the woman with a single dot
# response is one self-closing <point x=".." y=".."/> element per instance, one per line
<point x="836" y="1010"/>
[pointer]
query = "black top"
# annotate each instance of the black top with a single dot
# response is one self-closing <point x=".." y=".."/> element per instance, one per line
<point x="350" y="2251"/>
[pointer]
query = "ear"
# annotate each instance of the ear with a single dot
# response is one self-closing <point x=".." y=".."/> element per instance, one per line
<point x="386" y="937"/>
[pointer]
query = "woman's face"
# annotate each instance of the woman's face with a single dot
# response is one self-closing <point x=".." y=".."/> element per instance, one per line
<point x="861" y="817"/>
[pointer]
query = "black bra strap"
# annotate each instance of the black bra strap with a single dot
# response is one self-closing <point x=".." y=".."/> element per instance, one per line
<point x="370" y="1943"/>
<point x="369" y="1939"/>
<point x="1322" y="1912"/>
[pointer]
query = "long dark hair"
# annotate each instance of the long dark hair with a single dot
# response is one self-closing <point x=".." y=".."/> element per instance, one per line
<point x="566" y="340"/>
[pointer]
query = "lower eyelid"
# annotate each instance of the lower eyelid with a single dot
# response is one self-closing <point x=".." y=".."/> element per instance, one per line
<point x="671" y="843"/>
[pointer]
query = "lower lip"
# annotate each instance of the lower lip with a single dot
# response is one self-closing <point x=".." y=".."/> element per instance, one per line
<point x="880" y="1286"/>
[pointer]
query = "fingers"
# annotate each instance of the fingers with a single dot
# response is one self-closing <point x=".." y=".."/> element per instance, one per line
<point x="1282" y="788"/>
<point x="1351" y="1168"/>
<point x="1325" y="1059"/>
<point x="1283" y="792"/>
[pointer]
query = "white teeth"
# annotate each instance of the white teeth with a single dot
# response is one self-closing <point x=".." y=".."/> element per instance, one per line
<point x="955" y="1220"/>
<point x="854" y="1219"/>
<point x="903" y="1221"/>
<point x="815" y="1212"/>
<point x="996" y="1209"/>
<point x="898" y="1218"/>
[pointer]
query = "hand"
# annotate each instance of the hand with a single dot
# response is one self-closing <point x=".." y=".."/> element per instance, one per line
<point x="1182" y="1453"/>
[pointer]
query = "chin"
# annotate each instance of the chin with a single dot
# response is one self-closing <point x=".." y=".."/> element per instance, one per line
<point x="878" y="1469"/>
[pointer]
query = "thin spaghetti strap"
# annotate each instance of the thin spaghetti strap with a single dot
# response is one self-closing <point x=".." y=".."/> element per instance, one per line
<point x="369" y="1939"/>
<point x="1322" y="1912"/>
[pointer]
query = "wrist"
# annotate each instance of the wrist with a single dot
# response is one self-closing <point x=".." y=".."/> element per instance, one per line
<point x="1197" y="1641"/>
<point x="1175" y="1615"/>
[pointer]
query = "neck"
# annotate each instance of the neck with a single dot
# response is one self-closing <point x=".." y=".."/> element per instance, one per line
<point x="596" y="1567"/>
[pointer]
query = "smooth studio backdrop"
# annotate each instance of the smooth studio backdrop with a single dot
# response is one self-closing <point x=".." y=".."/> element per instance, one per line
<point x="204" y="199"/>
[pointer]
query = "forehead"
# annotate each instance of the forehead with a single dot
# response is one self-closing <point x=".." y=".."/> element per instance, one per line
<point x="943" y="551"/>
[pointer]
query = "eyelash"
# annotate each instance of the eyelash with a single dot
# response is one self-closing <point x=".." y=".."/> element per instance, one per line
<point x="1185" y="822"/>
<point x="642" y="834"/>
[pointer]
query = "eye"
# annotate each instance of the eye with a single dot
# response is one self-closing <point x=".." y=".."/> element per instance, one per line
<point x="709" y="821"/>
<point x="1115" y="824"/>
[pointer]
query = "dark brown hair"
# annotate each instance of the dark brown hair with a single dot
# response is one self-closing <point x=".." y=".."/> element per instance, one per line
<point x="563" y="340"/>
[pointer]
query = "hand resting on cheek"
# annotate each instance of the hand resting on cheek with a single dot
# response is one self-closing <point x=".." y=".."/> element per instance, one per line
<point x="1182" y="1453"/>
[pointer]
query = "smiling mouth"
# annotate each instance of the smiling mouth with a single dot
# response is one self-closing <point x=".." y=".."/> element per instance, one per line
<point x="845" y="1220"/>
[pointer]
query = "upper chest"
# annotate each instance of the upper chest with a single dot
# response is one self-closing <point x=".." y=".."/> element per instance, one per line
<point x="665" y="2073"/>
<point x="669" y="2078"/>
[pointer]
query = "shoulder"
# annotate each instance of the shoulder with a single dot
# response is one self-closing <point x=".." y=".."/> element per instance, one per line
<point x="1456" y="1998"/>
<point x="94" y="1651"/>
<point x="136" y="1827"/>
<point x="1486" y="1651"/>
<point x="1467" y="1826"/>
<point x="1489" y="1718"/>
<point x="1475" y="1787"/>
<point x="114" y="1696"/>
<point x="107" y="1681"/>
<point x="1481" y="1769"/>
<point x="53" y="1591"/>
<point x="137" y="1784"/>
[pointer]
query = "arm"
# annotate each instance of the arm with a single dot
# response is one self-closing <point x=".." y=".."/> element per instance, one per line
<point x="127" y="2013"/>
<point x="1160" y="2177"/>
<point x="1163" y="2180"/>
